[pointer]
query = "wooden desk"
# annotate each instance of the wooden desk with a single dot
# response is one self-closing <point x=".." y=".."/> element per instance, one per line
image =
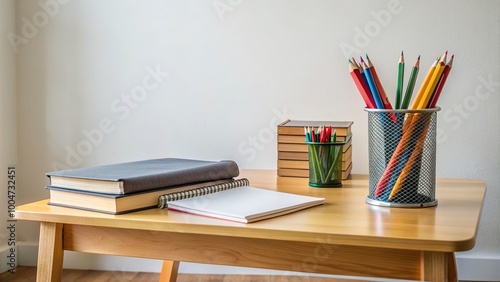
<point x="345" y="236"/>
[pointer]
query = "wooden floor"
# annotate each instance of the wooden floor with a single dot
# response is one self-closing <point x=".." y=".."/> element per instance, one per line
<point x="28" y="274"/>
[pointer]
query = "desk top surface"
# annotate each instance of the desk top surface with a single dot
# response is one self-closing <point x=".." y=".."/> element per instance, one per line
<point x="344" y="219"/>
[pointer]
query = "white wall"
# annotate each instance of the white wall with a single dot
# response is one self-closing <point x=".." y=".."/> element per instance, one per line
<point x="8" y="125"/>
<point x="110" y="81"/>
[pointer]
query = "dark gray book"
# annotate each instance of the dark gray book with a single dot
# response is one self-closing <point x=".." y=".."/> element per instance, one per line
<point x="130" y="177"/>
<point x="117" y="203"/>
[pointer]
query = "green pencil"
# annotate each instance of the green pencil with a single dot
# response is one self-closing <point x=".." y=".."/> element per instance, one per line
<point x="411" y="84"/>
<point x="399" y="90"/>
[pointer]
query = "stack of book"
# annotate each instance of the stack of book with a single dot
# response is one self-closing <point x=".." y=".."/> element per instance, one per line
<point x="293" y="157"/>
<point x="127" y="187"/>
<point x="198" y="187"/>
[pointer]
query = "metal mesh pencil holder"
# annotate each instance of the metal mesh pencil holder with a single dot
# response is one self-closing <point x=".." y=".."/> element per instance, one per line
<point x="402" y="157"/>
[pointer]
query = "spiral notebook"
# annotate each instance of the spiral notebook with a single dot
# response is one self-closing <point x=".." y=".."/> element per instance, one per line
<point x="237" y="201"/>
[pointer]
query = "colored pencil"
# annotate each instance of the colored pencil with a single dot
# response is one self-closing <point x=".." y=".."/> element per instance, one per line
<point x="382" y="187"/>
<point x="363" y="76"/>
<point x="372" y="85"/>
<point x="399" y="90"/>
<point x="421" y="91"/>
<point x="411" y="84"/>
<point x="414" y="158"/>
<point x="442" y="81"/>
<point x="431" y="86"/>
<point x="354" y="62"/>
<point x="385" y="101"/>
<point x="380" y="88"/>
<point x="361" y="85"/>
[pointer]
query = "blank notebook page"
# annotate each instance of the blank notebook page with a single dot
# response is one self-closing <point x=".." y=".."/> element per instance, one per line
<point x="243" y="202"/>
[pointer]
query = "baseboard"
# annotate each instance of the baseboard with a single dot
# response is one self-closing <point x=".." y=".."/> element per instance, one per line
<point x="28" y="253"/>
<point x="478" y="268"/>
<point x="470" y="267"/>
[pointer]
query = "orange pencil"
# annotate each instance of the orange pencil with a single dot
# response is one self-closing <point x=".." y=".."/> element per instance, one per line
<point x="361" y="85"/>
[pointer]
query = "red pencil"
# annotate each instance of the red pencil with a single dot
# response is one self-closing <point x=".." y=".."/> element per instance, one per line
<point x="383" y="96"/>
<point x="441" y="83"/>
<point x="361" y="85"/>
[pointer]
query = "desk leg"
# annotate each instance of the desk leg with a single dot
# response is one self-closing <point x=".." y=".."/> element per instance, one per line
<point x="439" y="267"/>
<point x="169" y="271"/>
<point x="50" y="252"/>
<point x="452" y="268"/>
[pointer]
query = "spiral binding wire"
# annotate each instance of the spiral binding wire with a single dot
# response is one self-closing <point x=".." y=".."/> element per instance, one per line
<point x="195" y="192"/>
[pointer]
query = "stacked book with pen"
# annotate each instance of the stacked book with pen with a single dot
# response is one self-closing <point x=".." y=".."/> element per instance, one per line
<point x="293" y="158"/>
<point x="325" y="157"/>
<point x="402" y="139"/>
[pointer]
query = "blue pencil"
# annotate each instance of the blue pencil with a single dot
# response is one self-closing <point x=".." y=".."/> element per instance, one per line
<point x="373" y="86"/>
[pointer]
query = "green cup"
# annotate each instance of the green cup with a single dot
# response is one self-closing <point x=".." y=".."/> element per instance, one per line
<point x="325" y="164"/>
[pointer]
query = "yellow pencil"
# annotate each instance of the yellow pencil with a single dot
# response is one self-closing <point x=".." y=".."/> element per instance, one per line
<point x="414" y="157"/>
<point x="421" y="91"/>
<point x="431" y="86"/>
